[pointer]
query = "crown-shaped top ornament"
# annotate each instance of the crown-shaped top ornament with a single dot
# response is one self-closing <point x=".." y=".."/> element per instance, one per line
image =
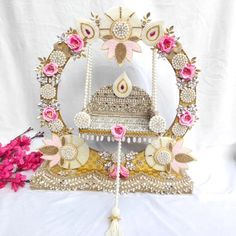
<point x="120" y="112"/>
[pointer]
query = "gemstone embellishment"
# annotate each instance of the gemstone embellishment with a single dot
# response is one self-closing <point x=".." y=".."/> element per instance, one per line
<point x="157" y="124"/>
<point x="58" y="57"/>
<point x="179" y="61"/>
<point x="179" y="130"/>
<point x="121" y="30"/>
<point x="163" y="157"/>
<point x="56" y="126"/>
<point x="82" y="120"/>
<point x="68" y="152"/>
<point x="187" y="95"/>
<point x="48" y="91"/>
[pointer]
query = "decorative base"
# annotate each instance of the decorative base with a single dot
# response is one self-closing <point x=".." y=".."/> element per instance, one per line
<point x="95" y="181"/>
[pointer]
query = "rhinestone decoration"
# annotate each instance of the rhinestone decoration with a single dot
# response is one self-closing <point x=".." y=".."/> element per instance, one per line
<point x="58" y="57"/>
<point x="187" y="95"/>
<point x="94" y="181"/>
<point x="109" y="159"/>
<point x="121" y="30"/>
<point x="56" y="126"/>
<point x="157" y="124"/>
<point x="48" y="91"/>
<point x="164" y="157"/>
<point x="179" y="130"/>
<point x="179" y="61"/>
<point x="106" y="102"/>
<point x="68" y="152"/>
<point x="192" y="108"/>
<point x="82" y="120"/>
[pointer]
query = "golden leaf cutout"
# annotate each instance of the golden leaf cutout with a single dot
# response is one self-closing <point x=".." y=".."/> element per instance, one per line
<point x="63" y="141"/>
<point x="107" y="37"/>
<point x="168" y="168"/>
<point x="120" y="53"/>
<point x="170" y="146"/>
<point x="183" y="158"/>
<point x="134" y="38"/>
<point x="49" y="150"/>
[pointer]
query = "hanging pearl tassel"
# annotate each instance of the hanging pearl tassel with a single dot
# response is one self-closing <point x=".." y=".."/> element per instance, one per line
<point x="114" y="229"/>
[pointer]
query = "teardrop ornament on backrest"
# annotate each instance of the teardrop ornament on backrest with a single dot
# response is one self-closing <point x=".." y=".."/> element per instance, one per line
<point x="122" y="87"/>
<point x="87" y="29"/>
<point x="152" y="32"/>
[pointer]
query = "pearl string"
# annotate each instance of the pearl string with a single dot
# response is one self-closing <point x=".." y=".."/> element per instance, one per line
<point x="90" y="67"/>
<point x="154" y="80"/>
<point x="118" y="175"/>
<point x="88" y="80"/>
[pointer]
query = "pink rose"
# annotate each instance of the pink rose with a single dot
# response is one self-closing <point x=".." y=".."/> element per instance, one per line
<point x="50" y="69"/>
<point x="166" y="44"/>
<point x="124" y="172"/>
<point x="186" y="118"/>
<point x="50" y="114"/>
<point x="118" y="131"/>
<point x="188" y="72"/>
<point x="74" y="42"/>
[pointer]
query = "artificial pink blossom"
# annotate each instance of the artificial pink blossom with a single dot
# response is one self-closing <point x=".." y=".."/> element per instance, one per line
<point x="6" y="171"/>
<point x="14" y="157"/>
<point x="50" y="69"/>
<point x="75" y="43"/>
<point x="188" y="72"/>
<point x="118" y="131"/>
<point x="18" y="181"/>
<point x="166" y="44"/>
<point x="32" y="161"/>
<point x="49" y="114"/>
<point x="3" y="184"/>
<point x="186" y="118"/>
<point x="124" y="172"/>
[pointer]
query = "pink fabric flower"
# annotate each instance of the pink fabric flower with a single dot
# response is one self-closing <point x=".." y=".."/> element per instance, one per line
<point x="130" y="46"/>
<point x="49" y="114"/>
<point x="75" y="43"/>
<point x="166" y="44"/>
<point x="50" y="69"/>
<point x="124" y="172"/>
<point x="54" y="159"/>
<point x="186" y="118"/>
<point x="188" y="72"/>
<point x="18" y="181"/>
<point x="178" y="148"/>
<point x="118" y="131"/>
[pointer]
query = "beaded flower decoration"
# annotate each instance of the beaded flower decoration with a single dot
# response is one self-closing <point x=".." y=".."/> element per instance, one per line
<point x="70" y="163"/>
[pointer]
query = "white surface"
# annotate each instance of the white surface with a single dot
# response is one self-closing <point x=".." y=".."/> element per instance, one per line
<point x="28" y="30"/>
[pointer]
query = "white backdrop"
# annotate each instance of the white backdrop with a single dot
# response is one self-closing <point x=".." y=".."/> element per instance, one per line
<point x="28" y="30"/>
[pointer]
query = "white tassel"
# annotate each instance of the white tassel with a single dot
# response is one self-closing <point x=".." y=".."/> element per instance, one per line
<point x="114" y="229"/>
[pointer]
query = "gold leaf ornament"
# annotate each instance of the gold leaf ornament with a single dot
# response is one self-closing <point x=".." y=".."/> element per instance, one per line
<point x="120" y="53"/>
<point x="49" y="150"/>
<point x="183" y="158"/>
